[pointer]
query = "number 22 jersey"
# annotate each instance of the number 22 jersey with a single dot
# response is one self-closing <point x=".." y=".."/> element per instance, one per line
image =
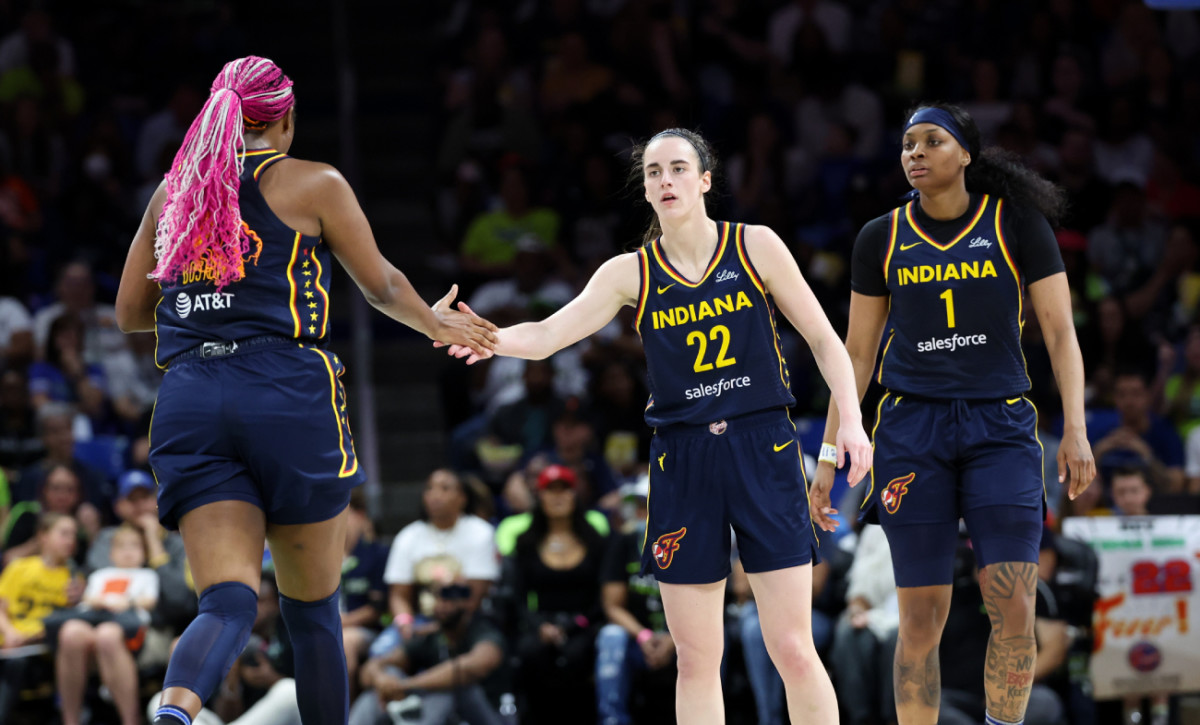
<point x="957" y="292"/>
<point x="712" y="350"/>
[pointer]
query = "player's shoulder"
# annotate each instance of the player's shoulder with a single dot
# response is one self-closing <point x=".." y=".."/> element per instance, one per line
<point x="878" y="225"/>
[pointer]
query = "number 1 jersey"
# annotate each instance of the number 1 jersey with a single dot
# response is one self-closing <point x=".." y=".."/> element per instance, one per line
<point x="712" y="349"/>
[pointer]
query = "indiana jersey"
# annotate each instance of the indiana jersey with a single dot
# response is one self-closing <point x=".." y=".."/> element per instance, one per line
<point x="712" y="350"/>
<point x="957" y="309"/>
<point x="284" y="289"/>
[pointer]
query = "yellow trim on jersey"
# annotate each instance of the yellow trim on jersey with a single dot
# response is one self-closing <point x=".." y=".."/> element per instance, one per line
<point x="966" y="230"/>
<point x="267" y="163"/>
<point x="649" y="486"/>
<point x="325" y="297"/>
<point x="337" y="417"/>
<point x="744" y="258"/>
<point x="150" y="437"/>
<point x="887" y="260"/>
<point x="878" y="416"/>
<point x="292" y="286"/>
<point x="156" y="304"/>
<point x="804" y="479"/>
<point x="883" y="357"/>
<point x="643" y="290"/>
<point x="1008" y="259"/>
<point x="259" y="152"/>
<point x="1036" y="437"/>
<point x="666" y="266"/>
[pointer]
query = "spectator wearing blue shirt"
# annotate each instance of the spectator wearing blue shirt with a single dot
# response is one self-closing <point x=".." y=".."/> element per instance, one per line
<point x="1142" y="438"/>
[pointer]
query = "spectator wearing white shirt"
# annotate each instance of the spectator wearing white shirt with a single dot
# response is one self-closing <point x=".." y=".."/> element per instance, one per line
<point x="76" y="293"/>
<point x="447" y="540"/>
<point x="16" y="333"/>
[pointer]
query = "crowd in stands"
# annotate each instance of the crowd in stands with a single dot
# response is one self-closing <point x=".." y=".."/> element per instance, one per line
<point x="519" y="594"/>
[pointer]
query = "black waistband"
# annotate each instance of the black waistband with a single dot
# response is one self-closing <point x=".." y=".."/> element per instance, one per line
<point x="225" y="348"/>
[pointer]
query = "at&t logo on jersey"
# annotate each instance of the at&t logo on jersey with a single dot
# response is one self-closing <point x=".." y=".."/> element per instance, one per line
<point x="894" y="492"/>
<point x="665" y="547"/>
<point x="186" y="304"/>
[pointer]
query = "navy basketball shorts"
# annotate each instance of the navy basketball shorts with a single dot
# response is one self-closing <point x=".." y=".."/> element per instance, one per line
<point x="268" y="426"/>
<point x="937" y="461"/>
<point x="745" y="473"/>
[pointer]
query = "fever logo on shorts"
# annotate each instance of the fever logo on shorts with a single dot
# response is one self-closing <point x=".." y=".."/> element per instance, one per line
<point x="666" y="546"/>
<point x="894" y="492"/>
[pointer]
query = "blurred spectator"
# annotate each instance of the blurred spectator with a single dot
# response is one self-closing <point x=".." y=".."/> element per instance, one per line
<point x="570" y="78"/>
<point x="44" y="80"/>
<point x="37" y="151"/>
<point x="533" y="292"/>
<point x="1087" y="194"/>
<point x="20" y="444"/>
<point x="76" y="293"/>
<point x="31" y="588"/>
<point x="1127" y="251"/>
<point x="37" y="26"/>
<point x="635" y="643"/>
<point x="617" y="412"/>
<point x="136" y="505"/>
<point x="832" y="18"/>
<point x="490" y="246"/>
<point x="1124" y="153"/>
<point x="1170" y="194"/>
<point x="364" y="592"/>
<point x="1131" y="491"/>
<point x="521" y="490"/>
<point x="525" y="424"/>
<point x="59" y="494"/>
<point x="20" y="208"/>
<point x="1181" y="391"/>
<point x="1111" y="342"/>
<point x="766" y="175"/>
<point x="448" y="542"/>
<point x="108" y="628"/>
<point x="987" y="107"/>
<point x="16" y="334"/>
<point x="63" y="376"/>
<point x="864" y="644"/>
<point x="165" y="129"/>
<point x="1067" y="106"/>
<point x="555" y="575"/>
<point x="56" y="423"/>
<point x="1143" y="438"/>
<point x="439" y="672"/>
<point x="133" y="378"/>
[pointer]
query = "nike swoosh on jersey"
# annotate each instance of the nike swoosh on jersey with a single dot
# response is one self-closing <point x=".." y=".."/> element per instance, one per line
<point x="660" y="462"/>
<point x="664" y="289"/>
<point x="1010" y="401"/>
<point x="785" y="445"/>
<point x="906" y="247"/>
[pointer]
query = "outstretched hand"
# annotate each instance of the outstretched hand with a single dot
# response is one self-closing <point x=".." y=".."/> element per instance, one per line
<point x="462" y="329"/>
<point x="1075" y="458"/>
<point x="461" y="350"/>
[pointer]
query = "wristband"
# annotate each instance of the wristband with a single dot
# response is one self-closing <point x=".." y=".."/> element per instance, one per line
<point x="644" y="636"/>
<point x="828" y="454"/>
<point x="403" y="618"/>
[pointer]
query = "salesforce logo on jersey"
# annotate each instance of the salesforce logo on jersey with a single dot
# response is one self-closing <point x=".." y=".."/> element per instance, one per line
<point x="714" y="390"/>
<point x="952" y="343"/>
<point x="186" y="304"/>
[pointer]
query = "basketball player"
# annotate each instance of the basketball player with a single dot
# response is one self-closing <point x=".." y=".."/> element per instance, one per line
<point x="725" y="452"/>
<point x="251" y="438"/>
<point x="947" y="274"/>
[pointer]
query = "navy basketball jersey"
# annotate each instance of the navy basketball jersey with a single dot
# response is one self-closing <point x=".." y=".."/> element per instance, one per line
<point x="957" y="309"/>
<point x="284" y="289"/>
<point x="712" y="350"/>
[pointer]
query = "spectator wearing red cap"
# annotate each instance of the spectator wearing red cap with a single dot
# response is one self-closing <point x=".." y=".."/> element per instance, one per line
<point x="553" y="574"/>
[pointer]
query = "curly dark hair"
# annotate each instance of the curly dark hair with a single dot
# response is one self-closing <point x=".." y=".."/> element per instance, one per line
<point x="998" y="172"/>
<point x="704" y="152"/>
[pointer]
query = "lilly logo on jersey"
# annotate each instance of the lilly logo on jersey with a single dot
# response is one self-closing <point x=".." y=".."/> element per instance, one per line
<point x="894" y="492"/>
<point x="980" y="242"/>
<point x="185" y="304"/>
<point x="725" y="274"/>
<point x="665" y="547"/>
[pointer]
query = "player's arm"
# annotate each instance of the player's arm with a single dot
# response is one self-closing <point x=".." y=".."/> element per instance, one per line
<point x="612" y="286"/>
<point x="138" y="294"/>
<point x="345" y="228"/>
<point x="796" y="300"/>
<point x="1051" y="298"/>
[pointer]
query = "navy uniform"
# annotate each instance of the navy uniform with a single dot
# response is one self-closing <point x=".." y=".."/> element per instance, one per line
<point x="725" y="452"/>
<point x="954" y="434"/>
<point x="251" y="407"/>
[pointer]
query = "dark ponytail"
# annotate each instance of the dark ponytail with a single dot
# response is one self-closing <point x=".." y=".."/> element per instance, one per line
<point x="704" y="152"/>
<point x="999" y="172"/>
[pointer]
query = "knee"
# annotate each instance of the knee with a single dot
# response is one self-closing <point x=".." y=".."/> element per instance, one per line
<point x="795" y="657"/>
<point x="76" y="635"/>
<point x="921" y="625"/>
<point x="698" y="659"/>
<point x="233" y="603"/>
<point x="1012" y="614"/>
<point x="110" y="638"/>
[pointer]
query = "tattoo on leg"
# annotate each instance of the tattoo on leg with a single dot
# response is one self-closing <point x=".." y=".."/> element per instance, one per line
<point x="917" y="682"/>
<point x="1009" y="592"/>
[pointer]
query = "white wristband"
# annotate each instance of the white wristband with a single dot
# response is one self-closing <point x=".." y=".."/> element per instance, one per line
<point x="828" y="454"/>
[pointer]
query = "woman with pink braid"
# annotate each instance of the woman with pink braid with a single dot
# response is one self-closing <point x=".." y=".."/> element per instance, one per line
<point x="251" y="438"/>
